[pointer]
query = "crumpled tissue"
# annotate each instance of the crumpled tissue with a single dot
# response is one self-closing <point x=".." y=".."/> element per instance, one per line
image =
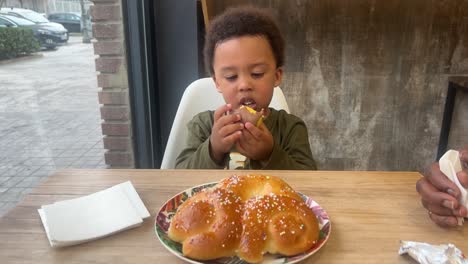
<point x="426" y="253"/>
<point x="450" y="165"/>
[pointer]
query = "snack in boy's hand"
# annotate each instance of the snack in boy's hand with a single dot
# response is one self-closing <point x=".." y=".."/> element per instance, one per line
<point x="250" y="115"/>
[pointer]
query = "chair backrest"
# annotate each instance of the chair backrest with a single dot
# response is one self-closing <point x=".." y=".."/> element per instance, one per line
<point x="199" y="96"/>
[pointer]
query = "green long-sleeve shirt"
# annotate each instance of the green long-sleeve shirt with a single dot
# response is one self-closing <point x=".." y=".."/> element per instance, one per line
<point x="291" y="150"/>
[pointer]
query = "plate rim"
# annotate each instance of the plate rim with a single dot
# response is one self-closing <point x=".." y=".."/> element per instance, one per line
<point x="211" y="184"/>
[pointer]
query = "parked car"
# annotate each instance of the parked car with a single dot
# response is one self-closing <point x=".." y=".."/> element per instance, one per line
<point x="71" y="21"/>
<point x="60" y="32"/>
<point x="47" y="36"/>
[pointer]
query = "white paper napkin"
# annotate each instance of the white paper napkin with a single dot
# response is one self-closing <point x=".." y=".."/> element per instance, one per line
<point x="450" y="165"/>
<point x="93" y="216"/>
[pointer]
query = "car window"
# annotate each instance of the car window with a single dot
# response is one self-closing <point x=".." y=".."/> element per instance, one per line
<point x="12" y="14"/>
<point x="34" y="17"/>
<point x="53" y="16"/>
<point x="5" y="23"/>
<point x="71" y="17"/>
<point x="20" y="21"/>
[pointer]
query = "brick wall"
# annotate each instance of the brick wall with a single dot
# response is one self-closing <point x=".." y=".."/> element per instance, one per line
<point x="112" y="81"/>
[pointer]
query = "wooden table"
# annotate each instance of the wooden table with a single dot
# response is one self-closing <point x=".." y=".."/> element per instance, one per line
<point x="370" y="213"/>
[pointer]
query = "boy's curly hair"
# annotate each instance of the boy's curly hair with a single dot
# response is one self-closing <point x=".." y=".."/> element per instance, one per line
<point x="243" y="21"/>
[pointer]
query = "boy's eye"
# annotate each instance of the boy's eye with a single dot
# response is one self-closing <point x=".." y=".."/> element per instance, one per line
<point x="257" y="75"/>
<point x="231" y="77"/>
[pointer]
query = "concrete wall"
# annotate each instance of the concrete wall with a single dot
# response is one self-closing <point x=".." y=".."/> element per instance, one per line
<point x="370" y="77"/>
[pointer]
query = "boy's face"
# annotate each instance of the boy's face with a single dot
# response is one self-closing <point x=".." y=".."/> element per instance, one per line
<point x="245" y="72"/>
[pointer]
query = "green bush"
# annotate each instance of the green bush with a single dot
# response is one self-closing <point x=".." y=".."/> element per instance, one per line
<point x="15" y="42"/>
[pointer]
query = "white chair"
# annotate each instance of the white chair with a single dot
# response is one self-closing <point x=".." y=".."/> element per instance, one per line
<point x="199" y="96"/>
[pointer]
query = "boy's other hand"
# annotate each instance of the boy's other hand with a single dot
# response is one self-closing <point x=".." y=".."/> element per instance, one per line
<point x="256" y="143"/>
<point x="225" y="132"/>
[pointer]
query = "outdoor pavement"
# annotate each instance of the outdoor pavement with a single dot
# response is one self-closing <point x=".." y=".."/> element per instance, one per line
<point x="49" y="118"/>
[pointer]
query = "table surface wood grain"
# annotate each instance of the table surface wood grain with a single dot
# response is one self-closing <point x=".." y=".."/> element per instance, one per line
<point x="370" y="213"/>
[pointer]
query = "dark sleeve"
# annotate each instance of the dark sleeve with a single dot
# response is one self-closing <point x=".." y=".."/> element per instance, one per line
<point x="196" y="153"/>
<point x="291" y="150"/>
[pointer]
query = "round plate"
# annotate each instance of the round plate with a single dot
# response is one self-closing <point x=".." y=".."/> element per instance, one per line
<point x="167" y="211"/>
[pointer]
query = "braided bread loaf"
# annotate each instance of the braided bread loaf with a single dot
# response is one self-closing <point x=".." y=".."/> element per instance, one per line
<point x="246" y="215"/>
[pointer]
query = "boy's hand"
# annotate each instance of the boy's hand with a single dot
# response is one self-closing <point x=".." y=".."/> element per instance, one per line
<point x="225" y="132"/>
<point x="256" y="143"/>
<point x="440" y="196"/>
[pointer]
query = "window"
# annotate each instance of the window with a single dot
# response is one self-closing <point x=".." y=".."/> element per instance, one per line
<point x="20" y="21"/>
<point x="5" y="23"/>
<point x="33" y="16"/>
<point x="75" y="18"/>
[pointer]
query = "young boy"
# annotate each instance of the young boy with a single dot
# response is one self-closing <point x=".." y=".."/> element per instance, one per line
<point x="244" y="53"/>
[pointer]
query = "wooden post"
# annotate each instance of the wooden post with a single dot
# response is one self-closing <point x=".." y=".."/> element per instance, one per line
<point x="207" y="8"/>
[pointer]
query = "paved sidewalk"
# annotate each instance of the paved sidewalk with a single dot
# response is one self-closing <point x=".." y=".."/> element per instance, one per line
<point x="49" y="118"/>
